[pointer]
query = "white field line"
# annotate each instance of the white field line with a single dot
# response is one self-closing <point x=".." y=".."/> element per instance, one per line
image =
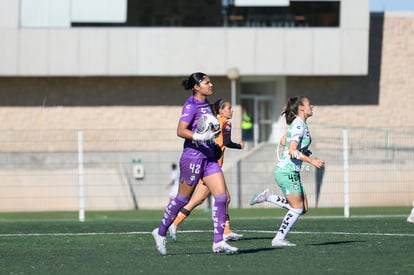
<point x="197" y="231"/>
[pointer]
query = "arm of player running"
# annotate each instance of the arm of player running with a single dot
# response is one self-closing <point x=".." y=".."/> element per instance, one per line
<point x="226" y="132"/>
<point x="229" y="143"/>
<point x="183" y="131"/>
<point x="283" y="140"/>
<point x="295" y="153"/>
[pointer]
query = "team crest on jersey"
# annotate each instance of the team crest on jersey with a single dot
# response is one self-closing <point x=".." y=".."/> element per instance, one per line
<point x="192" y="177"/>
<point x="296" y="186"/>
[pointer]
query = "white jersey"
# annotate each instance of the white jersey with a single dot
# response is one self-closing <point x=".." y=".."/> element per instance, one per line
<point x="298" y="131"/>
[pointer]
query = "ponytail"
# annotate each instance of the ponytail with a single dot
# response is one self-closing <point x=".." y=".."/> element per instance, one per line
<point x="291" y="109"/>
<point x="218" y="105"/>
<point x="193" y="79"/>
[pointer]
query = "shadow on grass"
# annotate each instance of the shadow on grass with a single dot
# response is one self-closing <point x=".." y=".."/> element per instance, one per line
<point x="256" y="250"/>
<point x="335" y="243"/>
<point x="243" y="251"/>
<point x="255" y="238"/>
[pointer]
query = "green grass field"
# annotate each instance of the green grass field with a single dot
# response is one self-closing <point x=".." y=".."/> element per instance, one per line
<point x="371" y="241"/>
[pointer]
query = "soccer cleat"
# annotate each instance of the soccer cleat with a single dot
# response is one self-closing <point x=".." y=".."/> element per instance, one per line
<point x="260" y="197"/>
<point x="231" y="236"/>
<point x="173" y="232"/>
<point x="160" y="242"/>
<point x="282" y="242"/>
<point x="224" y="247"/>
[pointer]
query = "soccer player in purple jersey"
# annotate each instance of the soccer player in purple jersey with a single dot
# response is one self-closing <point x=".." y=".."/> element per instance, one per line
<point x="197" y="162"/>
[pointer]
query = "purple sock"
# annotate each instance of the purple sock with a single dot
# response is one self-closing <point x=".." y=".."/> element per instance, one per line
<point x="219" y="216"/>
<point x="171" y="212"/>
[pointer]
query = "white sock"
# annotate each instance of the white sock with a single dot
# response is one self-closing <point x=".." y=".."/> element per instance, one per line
<point x="279" y="201"/>
<point x="288" y="222"/>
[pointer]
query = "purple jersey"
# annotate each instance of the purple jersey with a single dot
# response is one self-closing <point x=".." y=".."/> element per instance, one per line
<point x="191" y="112"/>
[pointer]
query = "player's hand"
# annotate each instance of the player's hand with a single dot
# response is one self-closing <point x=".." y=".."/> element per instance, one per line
<point x="207" y="136"/>
<point x="318" y="163"/>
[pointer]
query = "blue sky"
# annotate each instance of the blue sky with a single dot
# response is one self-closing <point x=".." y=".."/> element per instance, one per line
<point x="391" y="5"/>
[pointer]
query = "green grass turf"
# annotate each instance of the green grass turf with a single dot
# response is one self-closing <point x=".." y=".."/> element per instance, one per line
<point x="121" y="243"/>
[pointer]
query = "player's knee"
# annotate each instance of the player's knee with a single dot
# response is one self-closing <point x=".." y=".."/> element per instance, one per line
<point x="298" y="211"/>
<point x="221" y="198"/>
<point x="183" y="198"/>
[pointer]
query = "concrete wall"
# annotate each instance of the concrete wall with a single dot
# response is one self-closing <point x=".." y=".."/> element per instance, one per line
<point x="178" y="51"/>
<point x="396" y="83"/>
<point x="381" y="98"/>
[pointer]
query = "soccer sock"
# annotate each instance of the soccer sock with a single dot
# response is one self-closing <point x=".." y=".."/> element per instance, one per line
<point x="171" y="212"/>
<point x="227" y="229"/>
<point x="219" y="216"/>
<point x="287" y="223"/>
<point x="181" y="216"/>
<point x="279" y="201"/>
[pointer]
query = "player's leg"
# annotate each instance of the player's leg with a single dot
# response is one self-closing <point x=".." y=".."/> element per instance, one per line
<point x="214" y="180"/>
<point x="280" y="201"/>
<point x="267" y="196"/>
<point x="293" y="190"/>
<point x="200" y="194"/>
<point x="185" y="190"/>
<point x="305" y="203"/>
<point x="181" y="199"/>
<point x="228" y="234"/>
<point x="289" y="220"/>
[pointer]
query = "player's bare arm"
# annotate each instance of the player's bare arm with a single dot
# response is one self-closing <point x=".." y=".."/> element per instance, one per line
<point x="295" y="153"/>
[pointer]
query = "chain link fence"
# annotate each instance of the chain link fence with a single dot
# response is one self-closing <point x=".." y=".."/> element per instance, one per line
<point x="65" y="170"/>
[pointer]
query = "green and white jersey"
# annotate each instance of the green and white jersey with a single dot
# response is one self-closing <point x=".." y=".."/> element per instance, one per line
<point x="298" y="131"/>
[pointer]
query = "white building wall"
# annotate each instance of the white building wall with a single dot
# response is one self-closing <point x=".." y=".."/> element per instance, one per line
<point x="63" y="56"/>
<point x="9" y="14"/>
<point x="123" y="51"/>
<point x="271" y="57"/>
<point x="176" y="51"/>
<point x="326" y="57"/>
<point x="9" y="52"/>
<point x="33" y="52"/>
<point x="93" y="52"/>
<point x="211" y="58"/>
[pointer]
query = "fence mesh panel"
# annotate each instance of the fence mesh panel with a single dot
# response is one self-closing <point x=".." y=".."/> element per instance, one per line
<point x="39" y="168"/>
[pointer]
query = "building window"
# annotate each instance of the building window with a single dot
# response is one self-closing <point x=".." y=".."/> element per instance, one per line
<point x="219" y="13"/>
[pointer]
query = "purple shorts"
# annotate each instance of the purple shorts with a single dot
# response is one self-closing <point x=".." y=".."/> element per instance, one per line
<point x="195" y="166"/>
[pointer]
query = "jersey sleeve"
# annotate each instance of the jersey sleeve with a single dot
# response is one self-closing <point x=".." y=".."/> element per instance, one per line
<point x="226" y="132"/>
<point x="297" y="130"/>
<point x="188" y="114"/>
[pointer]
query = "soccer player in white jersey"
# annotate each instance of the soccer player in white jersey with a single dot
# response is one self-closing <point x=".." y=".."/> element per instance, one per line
<point x="287" y="170"/>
